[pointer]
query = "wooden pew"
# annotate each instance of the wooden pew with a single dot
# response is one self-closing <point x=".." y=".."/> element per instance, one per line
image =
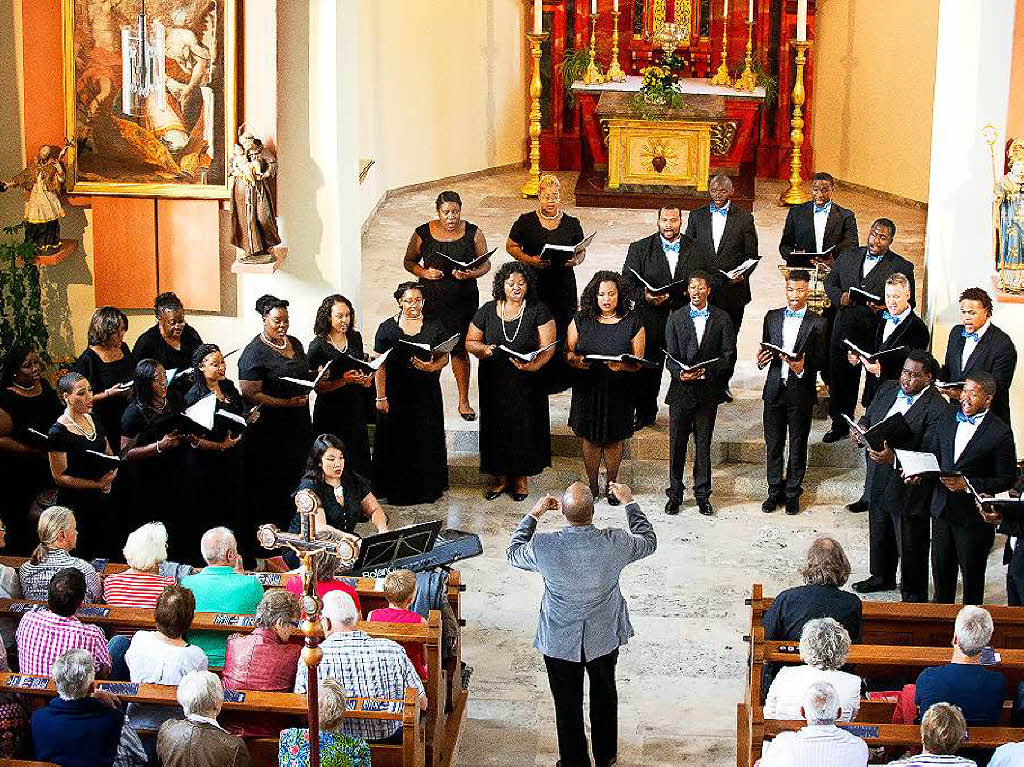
<point x="898" y="734"/>
<point x="410" y="753"/>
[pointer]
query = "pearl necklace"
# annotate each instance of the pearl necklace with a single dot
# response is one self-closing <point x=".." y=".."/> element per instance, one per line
<point x="340" y="349"/>
<point x="17" y="385"/>
<point x="72" y="426"/>
<point x="555" y="217"/>
<point x="501" y="316"/>
<point x="280" y="347"/>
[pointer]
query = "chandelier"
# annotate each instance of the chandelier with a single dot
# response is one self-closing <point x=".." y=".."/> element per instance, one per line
<point x="142" y="64"/>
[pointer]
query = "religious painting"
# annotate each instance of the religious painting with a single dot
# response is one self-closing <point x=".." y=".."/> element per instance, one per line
<point x="149" y="91"/>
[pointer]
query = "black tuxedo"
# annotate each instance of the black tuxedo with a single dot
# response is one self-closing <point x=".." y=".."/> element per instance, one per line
<point x="961" y="538"/>
<point x="856" y="322"/>
<point x="994" y="353"/>
<point x="647" y="258"/>
<point x="693" y="405"/>
<point x="737" y="244"/>
<point x="788" y="405"/>
<point x="898" y="513"/>
<point x="1013" y="558"/>
<point x="911" y="332"/>
<point x="798" y="233"/>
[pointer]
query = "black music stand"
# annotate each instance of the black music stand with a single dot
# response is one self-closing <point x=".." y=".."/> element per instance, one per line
<point x="379" y="551"/>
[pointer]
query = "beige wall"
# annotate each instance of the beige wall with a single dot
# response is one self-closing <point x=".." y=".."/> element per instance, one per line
<point x="874" y="75"/>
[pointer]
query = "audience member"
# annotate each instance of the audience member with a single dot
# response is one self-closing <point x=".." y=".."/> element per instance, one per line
<point x="44" y="635"/>
<point x="198" y="740"/>
<point x="367" y="667"/>
<point x="326" y="568"/>
<point x="943" y="730"/>
<point x="141" y="584"/>
<point x="13" y="718"/>
<point x="336" y="748"/>
<point x="824" y="645"/>
<point x="1008" y="755"/>
<point x="219" y="588"/>
<point x="400" y="589"/>
<point x="977" y="691"/>
<point x="10" y="588"/>
<point x="820" y="743"/>
<point x="58" y="534"/>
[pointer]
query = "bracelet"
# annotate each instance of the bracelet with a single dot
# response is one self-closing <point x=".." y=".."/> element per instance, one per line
<point x="381" y="399"/>
<point x="157" y="443"/>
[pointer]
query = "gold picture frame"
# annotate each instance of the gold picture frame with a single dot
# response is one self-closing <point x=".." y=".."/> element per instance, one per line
<point x="175" y="139"/>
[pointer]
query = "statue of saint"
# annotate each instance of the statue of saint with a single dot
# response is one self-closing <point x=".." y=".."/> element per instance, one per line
<point x="254" y="221"/>
<point x="43" y="183"/>
<point x="1009" y="194"/>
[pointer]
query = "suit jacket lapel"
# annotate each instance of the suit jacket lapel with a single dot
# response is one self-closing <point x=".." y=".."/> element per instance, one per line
<point x="977" y="348"/>
<point x="830" y="223"/>
<point x="897" y="332"/>
<point x="977" y="439"/>
<point x="730" y="223"/>
<point x="708" y="329"/>
<point x="801" y="334"/>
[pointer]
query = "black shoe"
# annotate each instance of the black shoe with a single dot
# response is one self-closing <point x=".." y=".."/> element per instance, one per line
<point x="857" y="507"/>
<point x="490" y="495"/>
<point x="728" y="394"/>
<point x="771" y="503"/>
<point x="704" y="507"/>
<point x="672" y="506"/>
<point x="517" y="497"/>
<point x="835" y="434"/>
<point x="793" y="505"/>
<point x="612" y="500"/>
<point x="641" y="422"/>
<point x="873" y="584"/>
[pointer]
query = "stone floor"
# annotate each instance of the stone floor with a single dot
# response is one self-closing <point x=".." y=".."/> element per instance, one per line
<point x="683" y="673"/>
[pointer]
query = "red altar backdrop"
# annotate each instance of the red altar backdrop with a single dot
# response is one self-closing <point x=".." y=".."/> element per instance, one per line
<point x="571" y="139"/>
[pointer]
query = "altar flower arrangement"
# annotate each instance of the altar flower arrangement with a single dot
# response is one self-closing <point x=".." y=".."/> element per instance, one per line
<point x="661" y="87"/>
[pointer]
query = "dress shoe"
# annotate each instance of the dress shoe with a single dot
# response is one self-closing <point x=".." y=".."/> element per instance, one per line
<point x="517" y="497"/>
<point x="704" y="507"/>
<point x="672" y="506"/>
<point x="493" y="493"/>
<point x="771" y="503"/>
<point x="793" y="505"/>
<point x="835" y="434"/>
<point x="612" y="500"/>
<point x="857" y="507"/>
<point x="873" y="584"/>
<point x="728" y="394"/>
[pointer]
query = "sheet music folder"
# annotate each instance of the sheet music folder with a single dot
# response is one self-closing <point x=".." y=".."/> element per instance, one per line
<point x="378" y="551"/>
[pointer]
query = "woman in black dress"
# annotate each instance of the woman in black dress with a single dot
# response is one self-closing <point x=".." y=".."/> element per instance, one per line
<point x="337" y="497"/>
<point x="83" y="478"/>
<point x="410" y="460"/>
<point x="601" y="414"/>
<point x="450" y="293"/>
<point x="275" y="446"/>
<point x="171" y="342"/>
<point x="110" y="367"/>
<point x="341" y="400"/>
<point x="213" y="465"/>
<point x="27" y="401"/>
<point x="515" y="428"/>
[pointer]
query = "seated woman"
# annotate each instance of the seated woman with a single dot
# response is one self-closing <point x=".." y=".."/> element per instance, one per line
<point x="326" y="568"/>
<point x="336" y="749"/>
<point x="10" y="588"/>
<point x="263" y="660"/>
<point x="58" y="534"/>
<point x="142" y="583"/>
<point x="199" y="739"/>
<point x="13" y="716"/>
<point x="824" y="645"/>
<point x="400" y="589"/>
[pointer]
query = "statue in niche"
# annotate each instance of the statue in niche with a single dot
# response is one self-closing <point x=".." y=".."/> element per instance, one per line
<point x="254" y="221"/>
<point x="43" y="184"/>
<point x="1010" y="220"/>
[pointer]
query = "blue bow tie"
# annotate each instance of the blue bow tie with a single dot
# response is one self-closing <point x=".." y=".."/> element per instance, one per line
<point x="792" y="313"/>
<point x="723" y="210"/>
<point x="895" y="320"/>
<point x="973" y="336"/>
<point x="908" y="397"/>
<point x="821" y="208"/>
<point x="670" y="247"/>
<point x="963" y="418"/>
<point x="876" y="259"/>
<point x="694" y="313"/>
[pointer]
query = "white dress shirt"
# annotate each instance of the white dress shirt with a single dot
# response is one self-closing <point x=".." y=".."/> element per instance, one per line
<point x="718" y="225"/>
<point x="790" y="329"/>
<point x="970" y="344"/>
<point x="890" y="326"/>
<point x="869" y="263"/>
<point x="816" y="745"/>
<point x="197" y="718"/>
<point x="786" y="694"/>
<point x="1008" y="755"/>
<point x="964" y="432"/>
<point x="820" y="219"/>
<point x="671" y="255"/>
<point x="901" y="405"/>
<point x="700" y="324"/>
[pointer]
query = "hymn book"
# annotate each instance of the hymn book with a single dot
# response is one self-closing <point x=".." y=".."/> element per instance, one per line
<point x="778" y="351"/>
<point x="676" y="290"/>
<point x="867" y="355"/>
<point x="364" y="366"/>
<point x="858" y="296"/>
<point x="432" y="353"/>
<point x="802" y="259"/>
<point x="732" y="274"/>
<point x="893" y="430"/>
<point x="559" y="254"/>
<point x="950" y="384"/>
<point x="916" y="464"/>
<point x="309" y="384"/>
<point x="466" y="266"/>
<point x="526" y="357"/>
<point x="618" y="358"/>
<point x="688" y="368"/>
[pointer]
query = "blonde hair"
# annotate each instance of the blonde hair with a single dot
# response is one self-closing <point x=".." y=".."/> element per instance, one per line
<point x="400" y="586"/>
<point x="549" y="179"/>
<point x="332" y="705"/>
<point x="52" y="522"/>
<point x="943" y="729"/>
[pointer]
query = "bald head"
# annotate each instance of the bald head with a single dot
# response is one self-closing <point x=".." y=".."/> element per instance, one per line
<point x="578" y="504"/>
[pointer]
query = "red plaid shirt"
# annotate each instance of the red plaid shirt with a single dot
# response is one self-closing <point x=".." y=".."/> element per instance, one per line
<point x="44" y="636"/>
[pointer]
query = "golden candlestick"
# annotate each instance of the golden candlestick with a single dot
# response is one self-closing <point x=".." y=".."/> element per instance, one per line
<point x="532" y="185"/>
<point x="615" y="73"/>
<point x="593" y="74"/>
<point x="722" y="75"/>
<point x="747" y="81"/>
<point x="797" y="192"/>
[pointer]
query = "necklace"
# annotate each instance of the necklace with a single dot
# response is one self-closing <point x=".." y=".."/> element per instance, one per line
<point x="17" y="385"/>
<point x="74" y="427"/>
<point x="518" y="325"/>
<point x="555" y="217"/>
<point x="281" y="347"/>
<point x="341" y="349"/>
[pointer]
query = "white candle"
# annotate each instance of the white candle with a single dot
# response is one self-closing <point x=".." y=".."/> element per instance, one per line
<point x="615" y="6"/>
<point x="801" y="20"/>
<point x="538" y="24"/>
<point x="725" y="9"/>
<point x="750" y="13"/>
<point x="593" y="7"/>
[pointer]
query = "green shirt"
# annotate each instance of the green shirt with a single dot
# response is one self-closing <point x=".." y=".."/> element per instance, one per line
<point x="221" y="590"/>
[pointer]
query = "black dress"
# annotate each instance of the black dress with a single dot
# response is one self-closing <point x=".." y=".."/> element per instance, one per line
<point x="94" y="512"/>
<point x="602" y="400"/>
<point x="276" y="446"/>
<point x="410" y="460"/>
<point x="102" y="375"/>
<point x="151" y="345"/>
<point x="515" y="427"/>
<point x="24" y="477"/>
<point x="342" y="412"/>
<point x="342" y="517"/>
<point x="449" y="302"/>
<point x="214" y="477"/>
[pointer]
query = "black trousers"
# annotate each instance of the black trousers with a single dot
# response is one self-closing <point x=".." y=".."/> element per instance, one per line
<point x="895" y="536"/>
<point x="1015" y="577"/>
<point x="843" y="384"/>
<point x="684" y="421"/>
<point x="960" y="549"/>
<point x="788" y="415"/>
<point x="647" y="385"/>
<point x="565" y="678"/>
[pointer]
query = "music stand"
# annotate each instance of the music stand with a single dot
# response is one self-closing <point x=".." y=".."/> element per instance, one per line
<point x="379" y="551"/>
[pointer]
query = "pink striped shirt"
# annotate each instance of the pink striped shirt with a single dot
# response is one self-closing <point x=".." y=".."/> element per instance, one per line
<point x="134" y="589"/>
<point x="44" y="636"/>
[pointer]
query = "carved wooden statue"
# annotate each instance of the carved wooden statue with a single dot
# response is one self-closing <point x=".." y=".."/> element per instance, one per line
<point x="43" y="184"/>
<point x="254" y="219"/>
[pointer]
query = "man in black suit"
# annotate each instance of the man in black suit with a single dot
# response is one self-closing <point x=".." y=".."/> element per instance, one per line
<point x="694" y="334"/>
<point x="667" y="256"/>
<point x="864" y="269"/>
<point x="1012" y="526"/>
<point x="976" y="443"/>
<point x="817" y="226"/>
<point x="899" y="512"/>
<point x="725" y="238"/>
<point x="976" y="344"/>
<point x="790" y="390"/>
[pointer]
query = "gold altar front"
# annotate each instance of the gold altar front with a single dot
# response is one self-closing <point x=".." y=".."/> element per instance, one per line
<point x="661" y="152"/>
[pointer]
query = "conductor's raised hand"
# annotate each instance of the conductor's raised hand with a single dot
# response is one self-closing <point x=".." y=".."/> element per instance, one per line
<point x="545" y="503"/>
<point x="620" y="491"/>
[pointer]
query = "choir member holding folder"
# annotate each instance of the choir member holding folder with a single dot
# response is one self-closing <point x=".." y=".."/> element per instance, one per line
<point x="410" y="460"/>
<point x="656" y="272"/>
<point x="110" y="367"/>
<point x="341" y="402"/>
<point x="83" y="466"/>
<point x="271" y="372"/>
<point x="513" y="336"/>
<point x="171" y="342"/>
<point x="817" y="230"/>
<point x="694" y="335"/>
<point x="1008" y="516"/>
<point x="856" y="285"/>
<point x="601" y="413"/>
<point x="448" y="256"/>
<point x="898" y="513"/>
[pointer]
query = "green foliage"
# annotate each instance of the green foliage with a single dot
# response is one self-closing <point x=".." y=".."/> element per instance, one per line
<point x="21" y="310"/>
<point x="763" y="78"/>
<point x="573" y="67"/>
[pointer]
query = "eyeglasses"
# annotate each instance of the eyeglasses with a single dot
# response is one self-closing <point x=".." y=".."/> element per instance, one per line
<point x="413" y="301"/>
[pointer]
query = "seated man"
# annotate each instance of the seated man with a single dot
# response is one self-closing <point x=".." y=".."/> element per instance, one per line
<point x="365" y="666"/>
<point x="977" y="691"/>
<point x="45" y="635"/>
<point x="943" y="730"/>
<point x="1008" y="755"/>
<point x="58" y="535"/>
<point x="820" y="742"/>
<point x="219" y="588"/>
<point x="197" y="740"/>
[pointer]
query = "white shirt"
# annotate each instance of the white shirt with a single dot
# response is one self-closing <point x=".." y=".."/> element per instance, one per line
<point x="869" y="263"/>
<point x="890" y="326"/>
<point x="820" y="219"/>
<point x="152" y="661"/>
<point x="817" y="745"/>
<point x="700" y="324"/>
<point x="790" y="329"/>
<point x="1008" y="755"/>
<point x="901" y="405"/>
<point x="786" y="695"/>
<point x="964" y="432"/>
<point x="671" y="255"/>
<point x="200" y="718"/>
<point x="970" y="344"/>
<point x="718" y="225"/>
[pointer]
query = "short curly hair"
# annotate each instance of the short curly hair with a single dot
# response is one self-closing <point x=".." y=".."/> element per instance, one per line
<point x="824" y="644"/>
<point x="826" y="563"/>
<point x="980" y="295"/>
<point x="588" y="298"/>
<point x="506" y="271"/>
